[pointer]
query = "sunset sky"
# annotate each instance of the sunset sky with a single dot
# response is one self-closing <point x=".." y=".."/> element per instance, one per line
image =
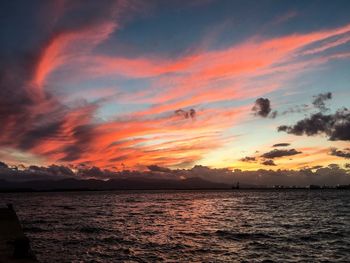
<point x="128" y="84"/>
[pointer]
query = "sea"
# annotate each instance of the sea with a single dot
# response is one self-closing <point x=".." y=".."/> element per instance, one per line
<point x="186" y="226"/>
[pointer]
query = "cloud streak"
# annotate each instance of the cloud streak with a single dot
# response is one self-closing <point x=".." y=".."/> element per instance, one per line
<point x="276" y="153"/>
<point x="341" y="153"/>
<point x="281" y="144"/>
<point x="36" y="117"/>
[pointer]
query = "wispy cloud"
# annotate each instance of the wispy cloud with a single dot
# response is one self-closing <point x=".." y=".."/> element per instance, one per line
<point x="181" y="95"/>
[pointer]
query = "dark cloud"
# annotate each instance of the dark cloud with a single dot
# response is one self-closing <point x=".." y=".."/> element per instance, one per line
<point x="320" y="99"/>
<point x="319" y="102"/>
<point x="248" y="159"/>
<point x="262" y="107"/>
<point x="335" y="126"/>
<point x="156" y="168"/>
<point x="191" y="113"/>
<point x="34" y="135"/>
<point x="15" y="101"/>
<point x="276" y="153"/>
<point x="281" y="144"/>
<point x="33" y="172"/>
<point x="52" y="170"/>
<point x="333" y="166"/>
<point x="82" y="137"/>
<point x="60" y="170"/>
<point x="268" y="162"/>
<point x="296" y="109"/>
<point x="341" y="153"/>
<point x="91" y="172"/>
<point x="27" y="119"/>
<point x="331" y="175"/>
<point x="347" y="165"/>
<point x="273" y="114"/>
<point x="3" y="165"/>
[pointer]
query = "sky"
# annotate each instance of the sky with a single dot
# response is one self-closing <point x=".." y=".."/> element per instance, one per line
<point x="123" y="85"/>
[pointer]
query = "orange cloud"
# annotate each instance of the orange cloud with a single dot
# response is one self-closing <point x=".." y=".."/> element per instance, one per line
<point x="66" y="45"/>
<point x="200" y="78"/>
<point x="193" y="79"/>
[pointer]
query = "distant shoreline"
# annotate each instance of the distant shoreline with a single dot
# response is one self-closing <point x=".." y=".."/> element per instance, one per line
<point x="168" y="190"/>
<point x="142" y="184"/>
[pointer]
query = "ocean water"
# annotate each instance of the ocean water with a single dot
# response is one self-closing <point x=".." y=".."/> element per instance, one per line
<point x="187" y="226"/>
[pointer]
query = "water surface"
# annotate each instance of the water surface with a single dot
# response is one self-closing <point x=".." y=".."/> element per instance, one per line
<point x="187" y="226"/>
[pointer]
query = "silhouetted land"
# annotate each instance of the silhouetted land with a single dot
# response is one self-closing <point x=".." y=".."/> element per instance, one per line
<point x="113" y="184"/>
<point x="137" y="184"/>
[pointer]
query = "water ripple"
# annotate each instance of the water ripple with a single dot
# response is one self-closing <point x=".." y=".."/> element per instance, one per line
<point x="185" y="226"/>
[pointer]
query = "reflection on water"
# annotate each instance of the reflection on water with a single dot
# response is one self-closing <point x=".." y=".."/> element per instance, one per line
<point x="251" y="226"/>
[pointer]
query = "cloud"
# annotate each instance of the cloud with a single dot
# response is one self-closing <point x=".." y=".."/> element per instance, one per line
<point x="331" y="175"/>
<point x="36" y="134"/>
<point x="94" y="172"/>
<point x="3" y="165"/>
<point x="335" y="126"/>
<point x="320" y="99"/>
<point x="191" y="113"/>
<point x="35" y="173"/>
<point x="262" y="107"/>
<point x="156" y="168"/>
<point x="347" y="165"/>
<point x="341" y="153"/>
<point x="60" y="169"/>
<point x="333" y="165"/>
<point x="296" y="109"/>
<point x="273" y="114"/>
<point x="82" y="135"/>
<point x="281" y="144"/>
<point x="276" y="153"/>
<point x="35" y="119"/>
<point x="248" y="159"/>
<point x="268" y="162"/>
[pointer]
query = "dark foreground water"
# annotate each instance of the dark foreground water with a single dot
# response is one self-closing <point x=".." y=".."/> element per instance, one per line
<point x="192" y="226"/>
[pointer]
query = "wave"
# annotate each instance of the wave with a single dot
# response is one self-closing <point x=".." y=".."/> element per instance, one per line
<point x="90" y="229"/>
<point x="34" y="229"/>
<point x="241" y="235"/>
